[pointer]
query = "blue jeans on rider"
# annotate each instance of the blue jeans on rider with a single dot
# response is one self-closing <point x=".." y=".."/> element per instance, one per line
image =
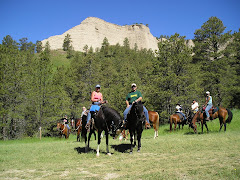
<point x="94" y="107"/>
<point x="209" y="106"/>
<point x="129" y="107"/>
<point x="67" y="126"/>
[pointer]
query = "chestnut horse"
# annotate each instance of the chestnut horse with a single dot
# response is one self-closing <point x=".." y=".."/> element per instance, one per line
<point x="224" y="115"/>
<point x="175" y="119"/>
<point x="78" y="128"/>
<point x="63" y="130"/>
<point x="154" y="119"/>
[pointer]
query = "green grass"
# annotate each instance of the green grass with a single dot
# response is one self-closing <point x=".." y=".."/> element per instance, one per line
<point x="176" y="155"/>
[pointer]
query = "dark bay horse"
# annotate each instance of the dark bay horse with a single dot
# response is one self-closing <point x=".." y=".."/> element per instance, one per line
<point x="106" y="119"/>
<point x="136" y="121"/>
<point x="177" y="119"/>
<point x="154" y="119"/>
<point x="63" y="130"/>
<point x="224" y="115"/>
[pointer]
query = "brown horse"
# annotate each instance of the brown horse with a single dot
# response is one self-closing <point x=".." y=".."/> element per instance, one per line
<point x="78" y="128"/>
<point x="177" y="119"/>
<point x="224" y="115"/>
<point x="124" y="135"/>
<point x="63" y="130"/>
<point x="199" y="117"/>
<point x="154" y="119"/>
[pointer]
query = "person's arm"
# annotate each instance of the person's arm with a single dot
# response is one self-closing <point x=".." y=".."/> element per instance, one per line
<point x="207" y="100"/>
<point x="127" y="103"/>
<point x="140" y="96"/>
<point x="139" y="99"/>
<point x="92" y="96"/>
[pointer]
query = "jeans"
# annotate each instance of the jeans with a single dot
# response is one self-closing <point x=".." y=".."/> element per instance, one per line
<point x="67" y="126"/>
<point x="209" y="106"/>
<point x="129" y="107"/>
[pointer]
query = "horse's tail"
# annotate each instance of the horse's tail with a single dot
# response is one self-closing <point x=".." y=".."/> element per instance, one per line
<point x="230" y="116"/>
<point x="157" y="124"/>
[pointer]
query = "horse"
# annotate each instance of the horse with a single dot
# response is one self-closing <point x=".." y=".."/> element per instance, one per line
<point x="224" y="115"/>
<point x="199" y="117"/>
<point x="178" y="119"/>
<point x="136" y="121"/>
<point x="154" y="119"/>
<point x="78" y="128"/>
<point x="124" y="135"/>
<point x="106" y="119"/>
<point x="63" y="130"/>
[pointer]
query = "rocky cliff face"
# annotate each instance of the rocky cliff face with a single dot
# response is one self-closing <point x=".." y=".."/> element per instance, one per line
<point x="93" y="30"/>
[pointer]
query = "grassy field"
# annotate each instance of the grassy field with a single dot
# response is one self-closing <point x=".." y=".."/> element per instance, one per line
<point x="177" y="155"/>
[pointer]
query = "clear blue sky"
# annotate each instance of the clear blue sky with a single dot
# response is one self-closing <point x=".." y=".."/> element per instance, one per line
<point x="40" y="19"/>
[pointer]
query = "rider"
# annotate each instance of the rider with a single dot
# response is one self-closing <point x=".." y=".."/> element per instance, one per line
<point x="65" y="121"/>
<point x="84" y="111"/>
<point x="134" y="96"/>
<point x="179" y="110"/>
<point x="97" y="100"/>
<point x="208" y="104"/>
<point x="195" y="106"/>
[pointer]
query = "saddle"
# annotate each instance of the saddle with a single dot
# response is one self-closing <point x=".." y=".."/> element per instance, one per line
<point x="212" y="110"/>
<point x="180" y="116"/>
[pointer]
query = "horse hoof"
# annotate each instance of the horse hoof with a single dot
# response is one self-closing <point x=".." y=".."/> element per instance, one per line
<point x="130" y="152"/>
<point x="138" y="150"/>
<point x="109" y="154"/>
<point x="97" y="154"/>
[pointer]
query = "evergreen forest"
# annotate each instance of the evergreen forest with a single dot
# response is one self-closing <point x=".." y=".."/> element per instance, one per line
<point x="39" y="85"/>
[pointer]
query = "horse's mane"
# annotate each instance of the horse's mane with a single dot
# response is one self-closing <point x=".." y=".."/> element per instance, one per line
<point x="110" y="113"/>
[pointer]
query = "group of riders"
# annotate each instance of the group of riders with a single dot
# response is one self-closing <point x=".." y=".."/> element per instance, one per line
<point x="132" y="97"/>
<point x="195" y="107"/>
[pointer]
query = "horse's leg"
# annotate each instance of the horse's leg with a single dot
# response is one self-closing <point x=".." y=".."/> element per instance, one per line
<point x="206" y="126"/>
<point x="88" y="142"/>
<point x="108" y="153"/>
<point x="221" y="123"/>
<point x="202" y="125"/>
<point x="175" y="125"/>
<point x="99" y="141"/>
<point x="78" y="135"/>
<point x="139" y="135"/>
<point x="135" y="138"/>
<point x="131" y="140"/>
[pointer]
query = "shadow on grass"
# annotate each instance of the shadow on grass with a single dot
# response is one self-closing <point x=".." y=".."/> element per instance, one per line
<point x="81" y="150"/>
<point x="123" y="148"/>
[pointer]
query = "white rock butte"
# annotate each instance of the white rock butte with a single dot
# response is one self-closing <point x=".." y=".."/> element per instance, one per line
<point x="92" y="31"/>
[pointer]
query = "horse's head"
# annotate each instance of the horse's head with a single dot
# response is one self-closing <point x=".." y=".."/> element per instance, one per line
<point x="59" y="126"/>
<point x="189" y="115"/>
<point x="112" y="118"/>
<point x="137" y="110"/>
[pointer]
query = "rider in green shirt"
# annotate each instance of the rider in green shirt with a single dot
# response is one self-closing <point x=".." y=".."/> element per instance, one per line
<point x="134" y="95"/>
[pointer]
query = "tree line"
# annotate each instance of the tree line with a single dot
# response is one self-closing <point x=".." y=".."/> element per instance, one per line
<point x="35" y="93"/>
